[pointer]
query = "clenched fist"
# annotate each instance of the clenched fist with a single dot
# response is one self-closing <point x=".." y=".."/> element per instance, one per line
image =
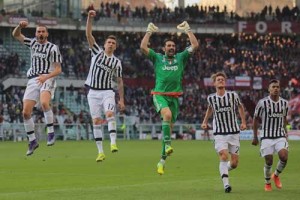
<point x="92" y="13"/>
<point x="23" y="24"/>
<point x="151" y="28"/>
<point x="184" y="26"/>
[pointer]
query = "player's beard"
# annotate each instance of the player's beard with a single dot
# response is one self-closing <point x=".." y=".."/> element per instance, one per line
<point x="171" y="53"/>
<point x="42" y="39"/>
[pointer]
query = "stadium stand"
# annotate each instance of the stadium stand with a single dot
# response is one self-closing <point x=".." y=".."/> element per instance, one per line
<point x="237" y="54"/>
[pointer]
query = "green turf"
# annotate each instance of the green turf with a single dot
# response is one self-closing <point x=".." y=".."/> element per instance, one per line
<point x="68" y="171"/>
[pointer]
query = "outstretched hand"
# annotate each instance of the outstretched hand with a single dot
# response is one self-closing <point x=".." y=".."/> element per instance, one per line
<point x="184" y="26"/>
<point x="151" y="28"/>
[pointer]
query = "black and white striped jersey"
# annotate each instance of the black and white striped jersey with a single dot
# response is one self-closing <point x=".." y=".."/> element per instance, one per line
<point x="102" y="69"/>
<point x="272" y="116"/>
<point x="225" y="108"/>
<point x="42" y="57"/>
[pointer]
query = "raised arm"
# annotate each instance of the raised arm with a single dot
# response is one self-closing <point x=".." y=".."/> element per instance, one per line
<point x="88" y="30"/>
<point x="184" y="26"/>
<point x="17" y="31"/>
<point x="144" y="44"/>
<point x="193" y="40"/>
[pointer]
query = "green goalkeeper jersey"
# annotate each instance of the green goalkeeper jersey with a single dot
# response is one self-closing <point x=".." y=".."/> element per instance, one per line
<point x="168" y="73"/>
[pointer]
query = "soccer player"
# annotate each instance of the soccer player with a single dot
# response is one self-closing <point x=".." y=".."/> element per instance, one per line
<point x="169" y="68"/>
<point x="101" y="97"/>
<point x="45" y="66"/>
<point x="223" y="106"/>
<point x="272" y="111"/>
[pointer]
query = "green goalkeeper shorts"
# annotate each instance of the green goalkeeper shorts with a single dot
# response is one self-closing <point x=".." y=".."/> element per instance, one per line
<point x="162" y="101"/>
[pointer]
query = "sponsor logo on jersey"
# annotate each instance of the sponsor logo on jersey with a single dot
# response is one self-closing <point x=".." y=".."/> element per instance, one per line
<point x="104" y="67"/>
<point x="40" y="55"/>
<point x="274" y="115"/>
<point x="224" y="109"/>
<point x="171" y="68"/>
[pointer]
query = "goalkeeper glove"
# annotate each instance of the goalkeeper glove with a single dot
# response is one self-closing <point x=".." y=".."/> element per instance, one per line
<point x="151" y="28"/>
<point x="184" y="26"/>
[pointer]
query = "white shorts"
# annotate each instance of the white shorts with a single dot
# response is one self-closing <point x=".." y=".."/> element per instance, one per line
<point x="271" y="146"/>
<point x="33" y="89"/>
<point x="101" y="100"/>
<point x="230" y="142"/>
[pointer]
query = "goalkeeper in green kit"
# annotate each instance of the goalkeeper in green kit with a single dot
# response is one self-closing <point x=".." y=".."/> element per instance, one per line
<point x="169" y="70"/>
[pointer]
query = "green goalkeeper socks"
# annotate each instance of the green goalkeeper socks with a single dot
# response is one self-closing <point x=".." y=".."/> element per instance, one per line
<point x="166" y="140"/>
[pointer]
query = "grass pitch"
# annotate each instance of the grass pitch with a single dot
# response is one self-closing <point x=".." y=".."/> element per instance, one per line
<point x="68" y="170"/>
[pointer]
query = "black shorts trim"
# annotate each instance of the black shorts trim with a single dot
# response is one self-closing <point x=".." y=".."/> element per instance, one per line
<point x="230" y="133"/>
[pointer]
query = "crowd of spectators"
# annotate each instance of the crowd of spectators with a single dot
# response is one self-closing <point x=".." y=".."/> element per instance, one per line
<point x="237" y="54"/>
<point x="193" y="13"/>
<point x="11" y="109"/>
<point x="276" y="56"/>
<point x="9" y="64"/>
<point x="268" y="56"/>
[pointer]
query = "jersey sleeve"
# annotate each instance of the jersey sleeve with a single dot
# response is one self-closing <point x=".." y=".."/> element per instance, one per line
<point x="152" y="55"/>
<point x="258" y="109"/>
<point x="237" y="99"/>
<point x="95" y="49"/>
<point x="190" y="49"/>
<point x="185" y="56"/>
<point x="119" y="69"/>
<point x="55" y="55"/>
<point x="209" y="101"/>
<point x="28" y="42"/>
<point x="286" y="110"/>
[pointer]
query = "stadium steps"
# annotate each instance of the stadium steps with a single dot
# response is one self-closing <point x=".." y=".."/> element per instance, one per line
<point x="16" y="47"/>
<point x="3" y="51"/>
<point x="73" y="104"/>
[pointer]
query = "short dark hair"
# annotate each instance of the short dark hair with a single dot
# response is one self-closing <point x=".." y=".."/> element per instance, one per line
<point x="168" y="40"/>
<point x="273" y="81"/>
<point x="112" y="37"/>
<point x="42" y="25"/>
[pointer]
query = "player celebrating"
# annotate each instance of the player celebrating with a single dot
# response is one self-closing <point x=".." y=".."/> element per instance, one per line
<point x="104" y="65"/>
<point x="272" y="111"/>
<point x="222" y="105"/>
<point x="45" y="66"/>
<point x="168" y="82"/>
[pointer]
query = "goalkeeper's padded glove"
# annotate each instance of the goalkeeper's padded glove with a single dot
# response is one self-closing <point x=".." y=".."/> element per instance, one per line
<point x="184" y="26"/>
<point x="151" y="28"/>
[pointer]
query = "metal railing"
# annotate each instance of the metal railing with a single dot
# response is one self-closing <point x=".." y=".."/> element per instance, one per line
<point x="16" y="132"/>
